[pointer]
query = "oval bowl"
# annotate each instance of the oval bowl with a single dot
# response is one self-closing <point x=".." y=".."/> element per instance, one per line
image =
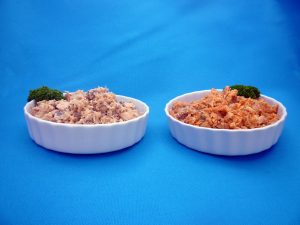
<point x="88" y="138"/>
<point x="225" y="141"/>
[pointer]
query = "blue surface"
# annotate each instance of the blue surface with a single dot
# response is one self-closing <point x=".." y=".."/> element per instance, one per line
<point x="153" y="51"/>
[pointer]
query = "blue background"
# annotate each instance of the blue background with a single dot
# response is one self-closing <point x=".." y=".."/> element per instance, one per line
<point x="153" y="51"/>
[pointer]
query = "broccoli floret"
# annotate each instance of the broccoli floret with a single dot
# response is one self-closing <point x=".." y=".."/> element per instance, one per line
<point x="44" y="93"/>
<point x="247" y="91"/>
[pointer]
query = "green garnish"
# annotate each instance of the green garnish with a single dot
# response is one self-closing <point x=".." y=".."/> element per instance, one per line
<point x="44" y="93"/>
<point x="247" y="91"/>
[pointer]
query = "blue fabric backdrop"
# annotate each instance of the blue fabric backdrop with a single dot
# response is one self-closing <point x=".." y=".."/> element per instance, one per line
<point x="153" y="51"/>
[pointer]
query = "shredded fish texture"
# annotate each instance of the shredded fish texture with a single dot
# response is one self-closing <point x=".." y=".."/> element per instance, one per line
<point x="97" y="106"/>
<point x="225" y="110"/>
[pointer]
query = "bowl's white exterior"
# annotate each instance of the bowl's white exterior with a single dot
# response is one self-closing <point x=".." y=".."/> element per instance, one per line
<point x="225" y="141"/>
<point x="88" y="139"/>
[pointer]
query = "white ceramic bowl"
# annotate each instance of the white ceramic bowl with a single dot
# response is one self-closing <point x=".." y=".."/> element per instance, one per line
<point x="225" y="141"/>
<point x="88" y="138"/>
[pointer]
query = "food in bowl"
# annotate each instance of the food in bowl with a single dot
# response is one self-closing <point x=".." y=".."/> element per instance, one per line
<point x="225" y="141"/>
<point x="226" y="110"/>
<point x="96" y="106"/>
<point x="71" y="122"/>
